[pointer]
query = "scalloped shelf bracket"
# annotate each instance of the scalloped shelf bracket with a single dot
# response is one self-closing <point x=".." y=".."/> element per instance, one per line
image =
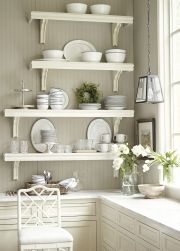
<point x="16" y="121"/>
<point x="43" y="28"/>
<point x="116" y="124"/>
<point x="44" y="74"/>
<point x="16" y="170"/>
<point x="115" y="33"/>
<point x="116" y="76"/>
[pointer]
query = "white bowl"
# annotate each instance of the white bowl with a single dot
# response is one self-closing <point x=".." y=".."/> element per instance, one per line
<point x="115" y="57"/>
<point x="53" y="54"/>
<point x="80" y="8"/>
<point x="115" y="50"/>
<point x="91" y="56"/>
<point x="151" y="190"/>
<point x="101" y="9"/>
<point x="42" y="106"/>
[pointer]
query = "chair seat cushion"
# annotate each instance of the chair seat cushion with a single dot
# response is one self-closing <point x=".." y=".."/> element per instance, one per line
<point x="44" y="235"/>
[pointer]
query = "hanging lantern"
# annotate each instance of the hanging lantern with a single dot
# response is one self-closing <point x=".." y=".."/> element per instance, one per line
<point x="149" y="87"/>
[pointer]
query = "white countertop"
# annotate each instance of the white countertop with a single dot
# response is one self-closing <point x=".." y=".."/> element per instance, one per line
<point x="162" y="211"/>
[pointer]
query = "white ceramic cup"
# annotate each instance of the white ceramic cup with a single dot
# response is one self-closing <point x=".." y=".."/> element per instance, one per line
<point x="106" y="138"/>
<point x="121" y="138"/>
<point x="104" y="148"/>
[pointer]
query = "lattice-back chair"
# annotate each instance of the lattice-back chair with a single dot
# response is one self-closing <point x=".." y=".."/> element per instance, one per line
<point x="39" y="220"/>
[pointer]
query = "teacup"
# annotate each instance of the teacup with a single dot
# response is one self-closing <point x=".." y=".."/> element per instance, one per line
<point x="104" y="148"/>
<point x="121" y="138"/>
<point x="106" y="138"/>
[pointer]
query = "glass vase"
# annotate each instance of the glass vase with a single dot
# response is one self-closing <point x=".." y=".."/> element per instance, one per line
<point x="129" y="184"/>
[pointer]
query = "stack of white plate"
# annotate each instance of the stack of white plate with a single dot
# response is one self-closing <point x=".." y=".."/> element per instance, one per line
<point x="115" y="102"/>
<point x="89" y="106"/>
<point x="58" y="99"/>
<point x="42" y="101"/>
<point x="48" y="136"/>
<point x="38" y="179"/>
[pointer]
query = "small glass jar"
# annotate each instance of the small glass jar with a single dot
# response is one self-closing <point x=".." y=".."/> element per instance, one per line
<point x="14" y="146"/>
<point x="23" y="146"/>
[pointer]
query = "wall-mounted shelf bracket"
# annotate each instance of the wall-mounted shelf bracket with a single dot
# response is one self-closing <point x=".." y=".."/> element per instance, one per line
<point x="43" y="27"/>
<point x="115" y="33"/>
<point x="116" y="76"/>
<point x="116" y="123"/>
<point x="44" y="73"/>
<point x="16" y="126"/>
<point x="16" y="170"/>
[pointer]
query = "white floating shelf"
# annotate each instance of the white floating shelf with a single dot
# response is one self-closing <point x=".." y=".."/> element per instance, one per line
<point x="18" y="157"/>
<point x="25" y="113"/>
<point x="45" y="65"/>
<point x="57" y="156"/>
<point x="44" y="17"/>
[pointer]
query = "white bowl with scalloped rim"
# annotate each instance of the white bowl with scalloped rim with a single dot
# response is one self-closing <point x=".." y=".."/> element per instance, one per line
<point x="151" y="190"/>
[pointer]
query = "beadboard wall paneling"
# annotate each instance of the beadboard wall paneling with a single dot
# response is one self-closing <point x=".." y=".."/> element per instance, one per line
<point x="19" y="44"/>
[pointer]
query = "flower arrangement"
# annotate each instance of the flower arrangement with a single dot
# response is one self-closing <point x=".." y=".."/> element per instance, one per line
<point x="167" y="160"/>
<point x="88" y="93"/>
<point x="127" y="159"/>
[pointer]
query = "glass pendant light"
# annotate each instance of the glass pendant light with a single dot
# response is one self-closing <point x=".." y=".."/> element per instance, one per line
<point x="149" y="86"/>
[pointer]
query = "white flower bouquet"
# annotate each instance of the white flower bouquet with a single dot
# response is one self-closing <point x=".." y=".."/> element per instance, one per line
<point x="126" y="161"/>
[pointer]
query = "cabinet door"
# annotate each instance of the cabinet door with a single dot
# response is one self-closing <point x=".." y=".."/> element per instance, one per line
<point x="106" y="248"/>
<point x="108" y="235"/>
<point x="8" y="240"/>
<point x="169" y="243"/>
<point x="84" y="234"/>
<point x="125" y="243"/>
<point x="145" y="247"/>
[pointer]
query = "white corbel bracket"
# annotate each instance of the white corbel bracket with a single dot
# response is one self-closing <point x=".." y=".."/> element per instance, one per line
<point x="116" y="80"/>
<point x="116" y="124"/>
<point x="44" y="73"/>
<point x="16" y="127"/>
<point x="16" y="170"/>
<point x="43" y="27"/>
<point x="115" y="33"/>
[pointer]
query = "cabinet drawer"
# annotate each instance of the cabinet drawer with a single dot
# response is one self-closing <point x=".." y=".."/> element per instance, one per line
<point x="125" y="243"/>
<point x="126" y="222"/>
<point x="148" y="234"/>
<point x="79" y="209"/>
<point x="109" y="213"/>
<point x="109" y="235"/>
<point x="170" y="244"/>
<point x="144" y="246"/>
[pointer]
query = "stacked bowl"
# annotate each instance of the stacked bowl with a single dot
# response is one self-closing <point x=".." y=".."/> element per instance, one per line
<point x="48" y="136"/>
<point x="115" y="55"/>
<point x="42" y="101"/>
<point x="116" y="102"/>
<point x="38" y="179"/>
<point x="56" y="99"/>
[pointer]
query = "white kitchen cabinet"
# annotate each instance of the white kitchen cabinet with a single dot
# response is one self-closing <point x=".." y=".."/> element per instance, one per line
<point x="125" y="243"/>
<point x="78" y="217"/>
<point x="169" y="243"/>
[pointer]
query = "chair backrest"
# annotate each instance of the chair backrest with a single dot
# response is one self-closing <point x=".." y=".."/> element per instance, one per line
<point x="43" y="208"/>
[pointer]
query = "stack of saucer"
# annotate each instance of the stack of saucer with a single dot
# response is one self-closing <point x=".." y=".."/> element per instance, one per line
<point x="115" y="102"/>
<point x="42" y="101"/>
<point x="48" y="136"/>
<point x="56" y="99"/>
<point x="38" y="179"/>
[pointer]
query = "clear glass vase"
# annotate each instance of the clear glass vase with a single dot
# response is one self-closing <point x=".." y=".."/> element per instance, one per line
<point x="129" y="184"/>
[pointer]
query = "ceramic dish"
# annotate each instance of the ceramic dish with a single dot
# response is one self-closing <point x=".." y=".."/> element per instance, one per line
<point x="80" y="8"/>
<point x="52" y="54"/>
<point x="41" y="124"/>
<point x="100" y="9"/>
<point x="73" y="50"/>
<point x="89" y="106"/>
<point x="96" y="128"/>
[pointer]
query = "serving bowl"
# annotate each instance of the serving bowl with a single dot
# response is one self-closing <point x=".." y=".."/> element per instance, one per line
<point x="116" y="50"/>
<point x="115" y="57"/>
<point x="53" y="54"/>
<point x="80" y="8"/>
<point x="151" y="190"/>
<point x="101" y="9"/>
<point x="91" y="56"/>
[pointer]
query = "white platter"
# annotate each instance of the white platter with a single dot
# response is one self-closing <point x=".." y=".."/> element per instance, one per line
<point x="41" y="124"/>
<point x="51" y="59"/>
<point x="96" y="128"/>
<point x="89" y="106"/>
<point x="115" y="107"/>
<point x="65" y="99"/>
<point x="74" y="49"/>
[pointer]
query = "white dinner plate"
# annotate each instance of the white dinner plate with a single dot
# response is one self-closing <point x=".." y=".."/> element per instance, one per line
<point x="96" y="128"/>
<point x="41" y="124"/>
<point x="73" y="50"/>
<point x="115" y="107"/>
<point x="64" y="99"/>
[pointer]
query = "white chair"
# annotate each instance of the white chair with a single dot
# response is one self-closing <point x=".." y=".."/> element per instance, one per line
<point x="39" y="220"/>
